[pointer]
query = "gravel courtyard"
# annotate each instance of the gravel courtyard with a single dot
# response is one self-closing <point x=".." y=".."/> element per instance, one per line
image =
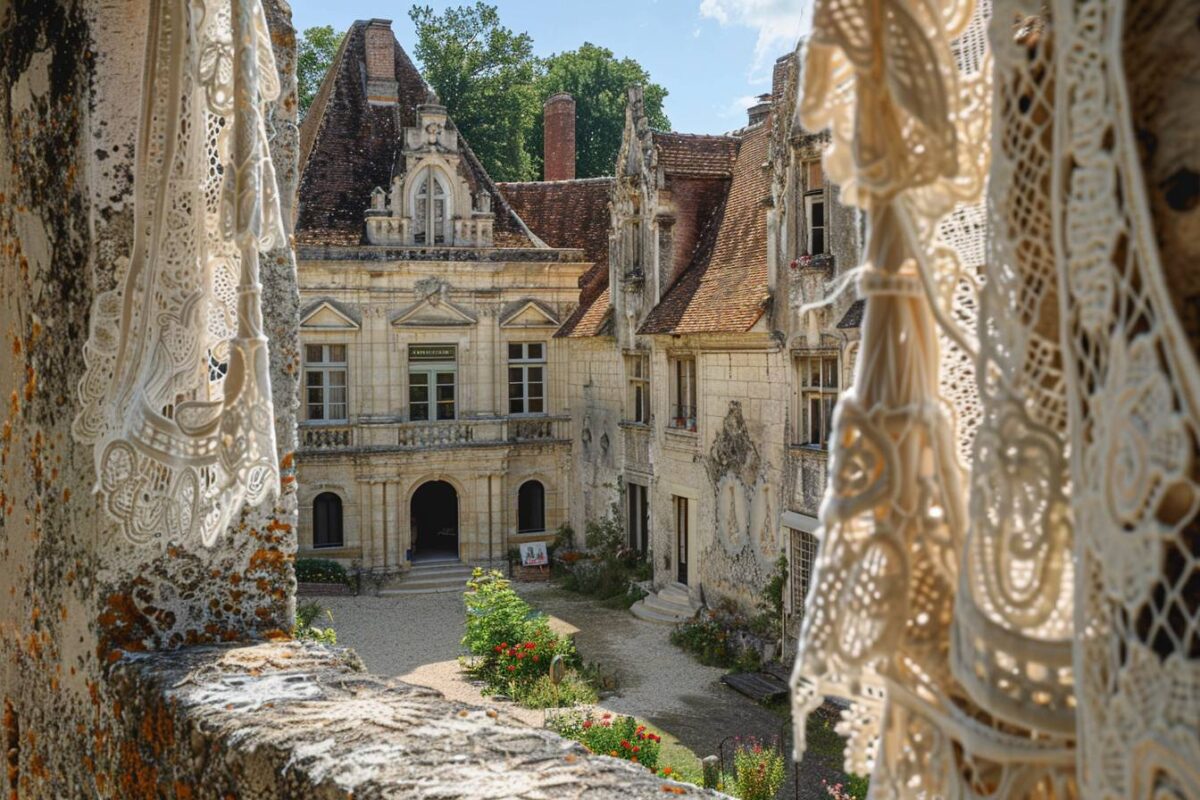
<point x="416" y="637"/>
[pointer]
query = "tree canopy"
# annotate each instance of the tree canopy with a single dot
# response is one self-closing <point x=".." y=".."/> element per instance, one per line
<point x="314" y="54"/>
<point x="493" y="87"/>
<point x="598" y="81"/>
<point x="484" y="74"/>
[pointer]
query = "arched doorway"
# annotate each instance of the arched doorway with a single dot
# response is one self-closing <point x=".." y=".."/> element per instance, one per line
<point x="434" y="515"/>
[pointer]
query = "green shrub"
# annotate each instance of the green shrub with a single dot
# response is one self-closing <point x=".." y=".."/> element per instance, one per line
<point x="758" y="771"/>
<point x="769" y="621"/>
<point x="620" y="737"/>
<point x="512" y="643"/>
<point x="707" y="639"/>
<point x="320" y="570"/>
<point x="574" y="690"/>
<point x="306" y="614"/>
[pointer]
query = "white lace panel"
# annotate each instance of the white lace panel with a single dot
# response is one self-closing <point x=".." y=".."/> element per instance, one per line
<point x="1013" y="622"/>
<point x="176" y="399"/>
<point x="1134" y="388"/>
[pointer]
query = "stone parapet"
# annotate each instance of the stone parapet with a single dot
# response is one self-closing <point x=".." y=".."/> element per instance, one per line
<point x="292" y="720"/>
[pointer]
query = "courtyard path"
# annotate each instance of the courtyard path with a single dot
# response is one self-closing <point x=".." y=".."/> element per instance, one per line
<point x="416" y="638"/>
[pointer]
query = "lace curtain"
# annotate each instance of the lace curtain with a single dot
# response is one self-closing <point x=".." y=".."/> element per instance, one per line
<point x="176" y="398"/>
<point x="1008" y="582"/>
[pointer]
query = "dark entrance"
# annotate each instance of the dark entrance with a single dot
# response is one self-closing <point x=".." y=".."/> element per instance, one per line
<point x="681" y="539"/>
<point x="434" y="515"/>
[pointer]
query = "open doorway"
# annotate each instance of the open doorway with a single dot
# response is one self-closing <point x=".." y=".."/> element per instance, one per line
<point x="434" y="515"/>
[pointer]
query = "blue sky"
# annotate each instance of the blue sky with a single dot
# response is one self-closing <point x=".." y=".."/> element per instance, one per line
<point x="713" y="56"/>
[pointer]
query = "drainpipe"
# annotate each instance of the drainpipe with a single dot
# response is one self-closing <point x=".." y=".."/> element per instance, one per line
<point x="491" y="556"/>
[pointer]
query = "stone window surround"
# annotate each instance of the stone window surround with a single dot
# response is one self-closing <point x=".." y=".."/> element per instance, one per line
<point x="637" y="372"/>
<point x="526" y="363"/>
<point x="327" y="368"/>
<point x="676" y="407"/>
<point x="802" y="435"/>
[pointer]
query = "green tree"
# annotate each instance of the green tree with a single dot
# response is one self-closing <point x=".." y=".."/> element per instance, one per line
<point x="484" y="74"/>
<point x="598" y="81"/>
<point x="314" y="54"/>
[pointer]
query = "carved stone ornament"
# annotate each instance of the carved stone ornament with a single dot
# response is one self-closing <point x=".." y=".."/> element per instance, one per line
<point x="176" y="398"/>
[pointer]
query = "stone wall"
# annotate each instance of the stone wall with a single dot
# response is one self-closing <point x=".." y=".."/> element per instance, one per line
<point x="596" y="394"/>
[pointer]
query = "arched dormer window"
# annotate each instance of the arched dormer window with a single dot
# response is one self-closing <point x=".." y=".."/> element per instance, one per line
<point x="327" y="521"/>
<point x="431" y="207"/>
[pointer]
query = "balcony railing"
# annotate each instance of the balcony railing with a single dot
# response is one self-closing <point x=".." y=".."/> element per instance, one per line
<point x="326" y="437"/>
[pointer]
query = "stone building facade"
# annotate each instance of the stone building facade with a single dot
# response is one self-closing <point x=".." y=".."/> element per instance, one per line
<point x="434" y="414"/>
<point x="700" y="387"/>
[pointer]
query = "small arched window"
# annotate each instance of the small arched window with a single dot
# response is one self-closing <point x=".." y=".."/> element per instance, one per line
<point x="531" y="508"/>
<point x="327" y="520"/>
<point x="430" y="208"/>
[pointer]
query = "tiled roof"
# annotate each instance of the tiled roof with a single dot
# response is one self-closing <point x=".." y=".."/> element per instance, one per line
<point x="854" y="314"/>
<point x="688" y="154"/>
<point x="725" y="287"/>
<point x="590" y="318"/>
<point x="348" y="147"/>
<point x="566" y="213"/>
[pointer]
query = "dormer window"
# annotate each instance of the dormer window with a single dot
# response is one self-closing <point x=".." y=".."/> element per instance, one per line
<point x="430" y="211"/>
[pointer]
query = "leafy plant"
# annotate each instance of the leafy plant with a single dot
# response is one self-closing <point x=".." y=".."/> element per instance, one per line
<point x="306" y="614"/>
<point x="605" y="536"/>
<point x="619" y="737"/>
<point x="769" y="621"/>
<point x="320" y="570"/>
<point x="573" y="690"/>
<point x="314" y="54"/>
<point x="707" y="639"/>
<point x="758" y="770"/>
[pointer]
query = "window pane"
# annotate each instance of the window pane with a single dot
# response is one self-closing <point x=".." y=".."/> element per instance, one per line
<point x="418" y="378"/>
<point x="337" y="395"/>
<point x="312" y="353"/>
<point x="535" y="374"/>
<point x="516" y="404"/>
<point x="514" y="352"/>
<point x="337" y="377"/>
<point x="315" y="378"/>
<point x="445" y="410"/>
<point x="337" y="411"/>
<point x="515" y="374"/>
<point x="535" y="351"/>
<point x="445" y="379"/>
<point x="418" y="412"/>
<point x="337" y="353"/>
<point x="816" y="178"/>
<point x="818" y="241"/>
<point x="418" y="394"/>
<point x="535" y="405"/>
<point x="316" y="411"/>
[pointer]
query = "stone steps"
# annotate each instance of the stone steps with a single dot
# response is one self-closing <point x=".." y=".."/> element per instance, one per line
<point x="669" y="606"/>
<point x="431" y="577"/>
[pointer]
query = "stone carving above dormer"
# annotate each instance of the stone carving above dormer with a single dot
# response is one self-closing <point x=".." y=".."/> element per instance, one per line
<point x="430" y="203"/>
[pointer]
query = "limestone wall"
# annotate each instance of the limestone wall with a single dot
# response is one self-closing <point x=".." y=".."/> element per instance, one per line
<point x="596" y="388"/>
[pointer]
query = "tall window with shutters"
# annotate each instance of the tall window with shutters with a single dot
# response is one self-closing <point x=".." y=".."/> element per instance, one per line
<point x="637" y="403"/>
<point x="325" y="382"/>
<point x="818" y="381"/>
<point x="683" y="393"/>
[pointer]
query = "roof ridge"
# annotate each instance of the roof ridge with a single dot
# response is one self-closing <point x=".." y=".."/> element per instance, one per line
<point x="568" y="181"/>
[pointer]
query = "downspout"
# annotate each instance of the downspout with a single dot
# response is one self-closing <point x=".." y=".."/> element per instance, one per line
<point x="491" y="555"/>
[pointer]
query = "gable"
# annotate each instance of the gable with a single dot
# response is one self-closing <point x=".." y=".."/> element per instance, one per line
<point x="529" y="314"/>
<point x="429" y="314"/>
<point x="324" y="314"/>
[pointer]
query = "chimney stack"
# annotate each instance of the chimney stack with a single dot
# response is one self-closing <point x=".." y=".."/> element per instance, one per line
<point x="758" y="112"/>
<point x="382" y="88"/>
<point x="558" y="151"/>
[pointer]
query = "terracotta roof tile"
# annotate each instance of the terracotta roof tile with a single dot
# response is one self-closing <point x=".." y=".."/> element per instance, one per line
<point x="690" y="154"/>
<point x="348" y="147"/>
<point x="565" y="213"/>
<point x="725" y="287"/>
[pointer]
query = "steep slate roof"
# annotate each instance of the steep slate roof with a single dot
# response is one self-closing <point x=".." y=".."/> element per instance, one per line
<point x="348" y="147"/>
<point x="572" y="213"/>
<point x="692" y="154"/>
<point x="724" y="289"/>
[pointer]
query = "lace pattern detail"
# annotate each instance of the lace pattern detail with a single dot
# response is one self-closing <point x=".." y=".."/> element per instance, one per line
<point x="176" y="398"/>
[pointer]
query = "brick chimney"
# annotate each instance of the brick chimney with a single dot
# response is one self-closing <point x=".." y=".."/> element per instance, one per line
<point x="382" y="88"/>
<point x="559" y="139"/>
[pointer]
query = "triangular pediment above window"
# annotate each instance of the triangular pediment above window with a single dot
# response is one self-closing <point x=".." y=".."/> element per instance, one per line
<point x="428" y="314"/>
<point x="529" y="314"/>
<point x="328" y="314"/>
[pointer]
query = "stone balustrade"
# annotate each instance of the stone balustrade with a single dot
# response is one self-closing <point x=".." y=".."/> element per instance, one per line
<point x="327" y="437"/>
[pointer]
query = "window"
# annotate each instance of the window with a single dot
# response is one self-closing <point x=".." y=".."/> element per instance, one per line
<point x="432" y="374"/>
<point x="526" y="378"/>
<point x="430" y="208"/>
<point x="325" y="382"/>
<point x="531" y="507"/>
<point x="327" y="520"/>
<point x="814" y="206"/>
<point x="818" y="395"/>
<point x="683" y="393"/>
<point x="803" y="558"/>
<point x="639" y="517"/>
<point x="635" y="245"/>
<point x="637" y="370"/>
<point x="681" y="539"/>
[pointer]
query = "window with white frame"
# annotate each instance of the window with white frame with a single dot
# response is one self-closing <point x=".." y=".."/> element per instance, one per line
<point x="814" y="206"/>
<point x="818" y="381"/>
<point x="802" y="558"/>
<point x="432" y="379"/>
<point x="637" y="371"/>
<point x="431" y="200"/>
<point x="325" y="382"/>
<point x="683" y="393"/>
<point x="526" y="378"/>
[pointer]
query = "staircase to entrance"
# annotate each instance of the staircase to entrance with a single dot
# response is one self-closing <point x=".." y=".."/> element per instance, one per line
<point x="668" y="606"/>
<point x="431" y="577"/>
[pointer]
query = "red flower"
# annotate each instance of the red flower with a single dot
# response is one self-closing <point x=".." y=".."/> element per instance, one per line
<point x="520" y="656"/>
<point x="606" y="715"/>
<point x="625" y="743"/>
<point x="530" y="645"/>
<point x="636" y="749"/>
<point x="587" y="723"/>
<point x="535" y="658"/>
<point x="504" y="645"/>
<point x="498" y="649"/>
<point x="512" y="651"/>
<point x="606" y="724"/>
<point x="511" y="668"/>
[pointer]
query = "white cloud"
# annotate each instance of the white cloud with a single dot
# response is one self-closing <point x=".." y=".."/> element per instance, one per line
<point x="779" y="23"/>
